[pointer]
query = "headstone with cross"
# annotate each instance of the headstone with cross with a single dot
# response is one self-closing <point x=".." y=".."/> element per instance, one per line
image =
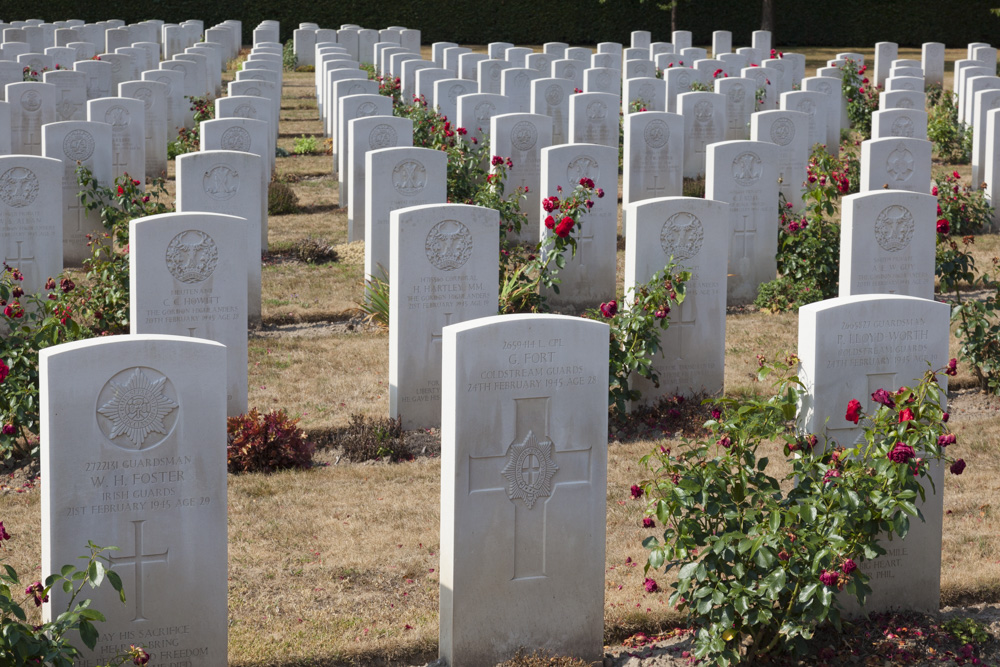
<point x="831" y="87"/>
<point x="814" y="105"/>
<point x="593" y="119"/>
<point x="521" y="137"/>
<point x="644" y="92"/>
<point x="887" y="243"/>
<point x="740" y="104"/>
<point x="848" y="348"/>
<point x="704" y="124"/>
<point x="693" y="233"/>
<point x="127" y="118"/>
<point x="363" y="135"/>
<point x="31" y="206"/>
<point x="744" y="174"/>
<point x="250" y="106"/>
<point x="129" y="467"/>
<point x="153" y="96"/>
<point x="190" y="270"/>
<point x="398" y="178"/>
<point x="653" y="151"/>
<point x="220" y="181"/>
<point x="551" y="98"/>
<point x="523" y="508"/>
<point x="71" y="93"/>
<point x="79" y="142"/>
<point x="589" y="276"/>
<point x="443" y="267"/>
<point x="790" y="131"/>
<point x="32" y="105"/>
<point x="351" y="107"/>
<point x="896" y="163"/>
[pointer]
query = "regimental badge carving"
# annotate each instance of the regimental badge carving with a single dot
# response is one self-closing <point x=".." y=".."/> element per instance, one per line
<point x="356" y="89"/>
<point x="529" y="470"/>
<point x="367" y="109"/>
<point x="647" y="93"/>
<point x="995" y="104"/>
<point x="116" y="64"/>
<point x="597" y="111"/>
<point x="524" y="136"/>
<point x="905" y="103"/>
<point x="382" y="136"/>
<point x="18" y="187"/>
<point x="900" y="164"/>
<point x="807" y="106"/>
<point x="117" y="117"/>
<point x="495" y="72"/>
<point x="906" y="85"/>
<point x="521" y="80"/>
<point x="235" y="139"/>
<point x="245" y="111"/>
<point x="484" y="111"/>
<point x="902" y="127"/>
<point x="603" y="80"/>
<point x="569" y="72"/>
<point x="736" y="94"/>
<point x="681" y="236"/>
<point x="409" y="177"/>
<point x="542" y="65"/>
<point x="31" y="101"/>
<point x="144" y="94"/>
<point x="166" y="80"/>
<point x="582" y="167"/>
<point x="192" y="256"/>
<point x="133" y="405"/>
<point x="703" y="112"/>
<point x="255" y="76"/>
<point x="683" y="82"/>
<point x="78" y="145"/>
<point x="894" y="228"/>
<point x="221" y="182"/>
<point x="656" y="134"/>
<point x="554" y="94"/>
<point x="255" y="92"/>
<point x="448" y="245"/>
<point x="454" y="92"/>
<point x="782" y="131"/>
<point x="747" y="168"/>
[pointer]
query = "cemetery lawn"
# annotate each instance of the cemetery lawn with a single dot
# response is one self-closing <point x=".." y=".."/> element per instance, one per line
<point x="339" y="564"/>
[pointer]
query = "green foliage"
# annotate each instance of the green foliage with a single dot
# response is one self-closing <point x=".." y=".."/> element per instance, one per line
<point x="635" y="332"/>
<point x="266" y="443"/>
<point x="787" y="293"/>
<point x="22" y="643"/>
<point x="289" y="61"/>
<point x="966" y="630"/>
<point x="376" y="300"/>
<point x="281" y="199"/>
<point x="189" y="141"/>
<point x="952" y="140"/>
<point x="759" y="560"/>
<point x="965" y="208"/>
<point x="862" y="97"/>
<point x="375" y="438"/>
<point x="978" y="328"/>
<point x="304" y="145"/>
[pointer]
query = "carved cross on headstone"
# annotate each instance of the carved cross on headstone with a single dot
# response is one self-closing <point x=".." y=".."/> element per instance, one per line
<point x="33" y="134"/>
<point x="138" y="560"/>
<point x="586" y="241"/>
<point x="436" y="337"/>
<point x="66" y="106"/>
<point x="79" y="208"/>
<point x="530" y="473"/>
<point x="19" y="261"/>
<point x="120" y="163"/>
<point x="655" y="187"/>
<point x="741" y="234"/>
<point x="685" y="324"/>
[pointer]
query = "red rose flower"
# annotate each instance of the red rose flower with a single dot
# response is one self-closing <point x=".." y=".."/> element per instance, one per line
<point x="636" y="491"/>
<point x="609" y="309"/>
<point x="550" y="222"/>
<point x="952" y="367"/>
<point x="853" y="411"/>
<point x="901" y="453"/>
<point x="564" y="227"/>
<point x="905" y="415"/>
<point x="957" y="467"/>
<point x="943" y="227"/>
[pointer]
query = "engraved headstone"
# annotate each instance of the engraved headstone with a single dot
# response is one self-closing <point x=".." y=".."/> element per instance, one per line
<point x="602" y="80"/>
<point x="444" y="269"/>
<point x="523" y="499"/>
<point x="126" y="421"/>
<point x="246" y="135"/>
<point x="745" y="175"/>
<point x="515" y="84"/>
<point x="88" y="144"/>
<point x="359" y="85"/>
<point x="255" y="108"/>
<point x="31" y="210"/>
<point x="932" y="62"/>
<point x="521" y="137"/>
<point x="589" y="275"/>
<point x="740" y="104"/>
<point x="790" y="131"/>
<point x="363" y="135"/>
<point x="32" y="105"/>
<point x="128" y="134"/>
<point x="704" y="123"/>
<point x="693" y="233"/>
<point x="815" y="106"/>
<point x="98" y="77"/>
<point x="887" y="243"/>
<point x="647" y="93"/>
<point x="192" y="282"/>
<point x="653" y="154"/>
<point x="153" y="96"/>
<point x="551" y="98"/>
<point x="850" y="347"/>
<point x="447" y="92"/>
<point x="352" y="107"/>
<point x="896" y="163"/>
<point x="71" y="93"/>
<point x="593" y="119"/>
<point x="221" y="181"/>
<point x="475" y="112"/>
<point x="909" y="123"/>
<point x="679" y="80"/>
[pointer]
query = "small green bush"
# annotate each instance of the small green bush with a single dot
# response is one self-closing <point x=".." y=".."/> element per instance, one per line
<point x="312" y="250"/>
<point x="375" y="438"/>
<point x="787" y="293"/>
<point x="281" y="199"/>
<point x="266" y="443"/>
<point x="306" y="145"/>
<point x="952" y="142"/>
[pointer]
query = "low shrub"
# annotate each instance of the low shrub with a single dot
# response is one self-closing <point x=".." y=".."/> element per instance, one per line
<point x="375" y="438"/>
<point x="281" y="199"/>
<point x="787" y="293"/>
<point x="964" y="207"/>
<point x="952" y="141"/>
<point x="306" y="145"/>
<point x="312" y="250"/>
<point x="266" y="443"/>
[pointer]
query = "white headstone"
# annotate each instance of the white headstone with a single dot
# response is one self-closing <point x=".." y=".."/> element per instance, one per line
<point x="650" y="92"/>
<point x="133" y="448"/>
<point x="349" y="108"/>
<point x="187" y="277"/>
<point x="745" y="175"/>
<point x="128" y="134"/>
<point x="693" y="233"/>
<point x="363" y="135"/>
<point x="740" y="104"/>
<point x="653" y="155"/>
<point x="887" y="243"/>
<point x="679" y="80"/>
<point x="932" y="62"/>
<point x="31" y="208"/>
<point x="602" y="80"/>
<point x="815" y="106"/>
<point x="899" y="123"/>
<point x="475" y="112"/>
<point x="897" y="162"/>
<point x="523" y="509"/>
<point x="515" y="83"/>
<point x="593" y="119"/>
<point x="444" y="269"/>
<point x="551" y="98"/>
<point x="704" y="123"/>
<point x="32" y="105"/>
<point x="71" y="93"/>
<point x="153" y="96"/>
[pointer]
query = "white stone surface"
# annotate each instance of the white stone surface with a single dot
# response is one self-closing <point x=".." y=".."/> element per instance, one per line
<point x="71" y="93"/>
<point x="790" y="131"/>
<point x="679" y="80"/>
<point x="740" y="104"/>
<point x="515" y="84"/>
<point x="815" y="106"/>
<point x="745" y="175"/>
<point x="551" y="98"/>
<point x="126" y="117"/>
<point x="444" y="269"/>
<point x="363" y="135"/>
<point x="521" y="137"/>
<point x="187" y="277"/>
<point x="899" y="123"/>
<point x="887" y="243"/>
<point x="694" y="234"/>
<point x="704" y="124"/>
<point x="593" y="119"/>
<point x="653" y="156"/>
<point x="153" y="96"/>
<point x="650" y="91"/>
<point x="32" y="105"/>
<point x="132" y="447"/>
<point x="848" y="348"/>
<point x="31" y="208"/>
<point x="523" y="502"/>
<point x="351" y="107"/>
<point x="897" y="162"/>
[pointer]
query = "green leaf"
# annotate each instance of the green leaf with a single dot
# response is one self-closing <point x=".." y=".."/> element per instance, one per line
<point x="88" y="633"/>
<point x="95" y="573"/>
<point x="807" y="592"/>
<point x="775" y="521"/>
<point x="688" y="570"/>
